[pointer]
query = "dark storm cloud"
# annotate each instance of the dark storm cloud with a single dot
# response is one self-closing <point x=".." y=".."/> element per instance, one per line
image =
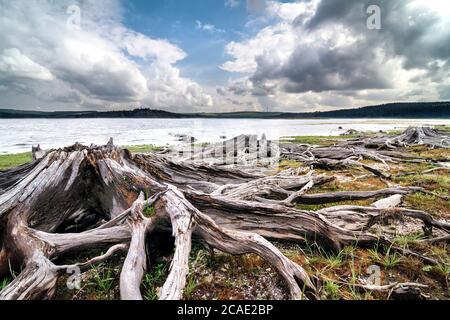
<point x="321" y="69"/>
<point x="412" y="34"/>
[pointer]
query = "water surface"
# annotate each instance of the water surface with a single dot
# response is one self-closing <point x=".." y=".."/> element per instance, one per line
<point x="18" y="135"/>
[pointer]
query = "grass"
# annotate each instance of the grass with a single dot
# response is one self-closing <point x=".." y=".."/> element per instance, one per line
<point x="428" y="203"/>
<point x="443" y="270"/>
<point x="317" y="207"/>
<point x="4" y="283"/>
<point x="190" y="287"/>
<point x="154" y="278"/>
<point x="317" y="140"/>
<point x="8" y="161"/>
<point x="103" y="278"/>
<point x="288" y="164"/>
<point x="406" y="240"/>
<point x="388" y="260"/>
<point x="443" y="128"/>
<point x="142" y="148"/>
<point x="331" y="290"/>
<point x="394" y="132"/>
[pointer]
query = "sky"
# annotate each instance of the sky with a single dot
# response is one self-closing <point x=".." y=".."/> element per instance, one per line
<point x="222" y="55"/>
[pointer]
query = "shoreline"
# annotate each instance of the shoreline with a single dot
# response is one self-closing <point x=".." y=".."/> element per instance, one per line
<point x="11" y="160"/>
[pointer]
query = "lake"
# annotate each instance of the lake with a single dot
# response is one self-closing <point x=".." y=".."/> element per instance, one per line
<point x="18" y="135"/>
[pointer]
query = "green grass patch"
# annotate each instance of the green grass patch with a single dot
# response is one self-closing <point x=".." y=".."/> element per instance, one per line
<point x="317" y="140"/>
<point x="429" y="182"/>
<point x="153" y="279"/>
<point x="406" y="240"/>
<point x="290" y="164"/>
<point x="142" y="148"/>
<point x="394" y="132"/>
<point x="388" y="260"/>
<point x="331" y="290"/>
<point x="442" y="128"/>
<point x="149" y="211"/>
<point x="317" y="207"/>
<point x="103" y="278"/>
<point x="429" y="203"/>
<point x="8" y="161"/>
<point x="4" y="283"/>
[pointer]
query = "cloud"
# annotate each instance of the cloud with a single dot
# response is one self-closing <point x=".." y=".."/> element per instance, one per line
<point x="207" y="27"/>
<point x="231" y="3"/>
<point x="102" y="63"/>
<point x="315" y="49"/>
<point x="16" y="65"/>
<point x="444" y="92"/>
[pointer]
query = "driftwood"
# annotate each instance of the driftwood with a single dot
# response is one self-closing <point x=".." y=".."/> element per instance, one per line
<point x="413" y="136"/>
<point x="81" y="198"/>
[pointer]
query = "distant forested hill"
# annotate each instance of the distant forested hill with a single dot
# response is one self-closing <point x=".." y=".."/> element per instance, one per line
<point x="439" y="110"/>
<point x="393" y="110"/>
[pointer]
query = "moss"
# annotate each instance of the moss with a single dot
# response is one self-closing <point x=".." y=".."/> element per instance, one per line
<point x="9" y="161"/>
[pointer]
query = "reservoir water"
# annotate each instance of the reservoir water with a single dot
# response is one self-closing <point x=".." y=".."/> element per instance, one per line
<point x="18" y="135"/>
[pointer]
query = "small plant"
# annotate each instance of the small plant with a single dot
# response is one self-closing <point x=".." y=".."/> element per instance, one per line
<point x="103" y="278"/>
<point x="355" y="295"/>
<point x="332" y="259"/>
<point x="443" y="270"/>
<point x="388" y="260"/>
<point x="405" y="240"/>
<point x="149" y="211"/>
<point x="4" y="283"/>
<point x="191" y="285"/>
<point x="152" y="280"/>
<point x="331" y="290"/>
<point x="391" y="260"/>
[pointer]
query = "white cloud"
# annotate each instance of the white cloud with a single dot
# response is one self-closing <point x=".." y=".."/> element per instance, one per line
<point x="103" y="63"/>
<point x="139" y="45"/>
<point x="15" y="64"/>
<point x="207" y="27"/>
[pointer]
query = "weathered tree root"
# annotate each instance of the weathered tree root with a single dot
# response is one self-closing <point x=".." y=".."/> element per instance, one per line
<point x="411" y="137"/>
<point x="81" y="198"/>
<point x="32" y="235"/>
